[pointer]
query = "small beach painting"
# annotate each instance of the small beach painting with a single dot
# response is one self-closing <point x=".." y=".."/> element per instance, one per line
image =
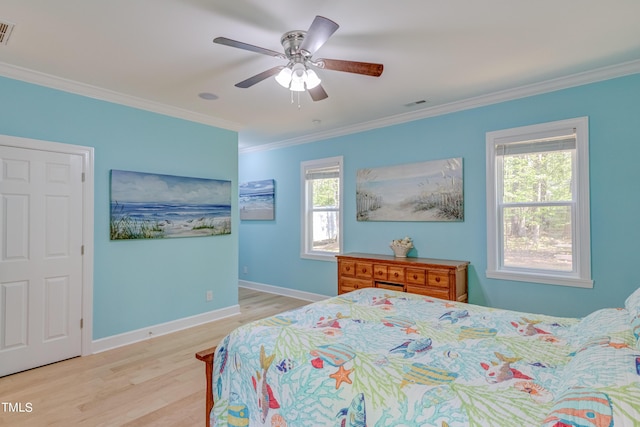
<point x="427" y="191"/>
<point x="153" y="206"/>
<point x="257" y="200"/>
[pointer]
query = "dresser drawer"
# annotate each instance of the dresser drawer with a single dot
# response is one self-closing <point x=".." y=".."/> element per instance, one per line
<point x="348" y="268"/>
<point x="348" y="284"/>
<point x="438" y="278"/>
<point x="416" y="276"/>
<point x="396" y="274"/>
<point x="430" y="292"/>
<point x="364" y="270"/>
<point x="380" y="272"/>
<point x="390" y="286"/>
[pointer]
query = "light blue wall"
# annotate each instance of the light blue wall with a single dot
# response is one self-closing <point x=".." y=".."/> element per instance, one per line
<point x="270" y="249"/>
<point x="144" y="282"/>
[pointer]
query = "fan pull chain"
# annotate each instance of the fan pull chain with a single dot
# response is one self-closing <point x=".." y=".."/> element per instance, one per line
<point x="292" y="100"/>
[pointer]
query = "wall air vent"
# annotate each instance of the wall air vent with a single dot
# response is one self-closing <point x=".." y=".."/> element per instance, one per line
<point x="5" y="31"/>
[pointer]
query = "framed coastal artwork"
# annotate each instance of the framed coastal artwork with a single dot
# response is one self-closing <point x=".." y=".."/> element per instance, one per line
<point x="257" y="200"/>
<point x="154" y="206"/>
<point x="426" y="191"/>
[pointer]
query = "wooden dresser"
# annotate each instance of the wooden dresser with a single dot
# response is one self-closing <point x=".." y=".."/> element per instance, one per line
<point x="439" y="278"/>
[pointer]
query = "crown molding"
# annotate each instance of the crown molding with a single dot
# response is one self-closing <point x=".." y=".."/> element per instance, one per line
<point x="579" y="79"/>
<point x="59" y="83"/>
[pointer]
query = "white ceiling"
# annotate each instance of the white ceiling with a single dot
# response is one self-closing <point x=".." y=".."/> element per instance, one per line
<point x="159" y="55"/>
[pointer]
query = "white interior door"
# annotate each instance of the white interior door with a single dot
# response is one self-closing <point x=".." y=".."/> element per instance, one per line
<point x="41" y="221"/>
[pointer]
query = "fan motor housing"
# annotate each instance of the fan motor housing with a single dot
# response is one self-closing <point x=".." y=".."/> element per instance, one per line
<point x="291" y="41"/>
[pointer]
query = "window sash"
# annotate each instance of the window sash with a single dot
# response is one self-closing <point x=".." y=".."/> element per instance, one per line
<point x="574" y="248"/>
<point x="563" y="135"/>
<point x="499" y="166"/>
<point x="311" y="171"/>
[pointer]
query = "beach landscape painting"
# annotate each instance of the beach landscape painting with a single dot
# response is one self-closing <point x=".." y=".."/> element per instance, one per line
<point x="154" y="206"/>
<point x="257" y="200"/>
<point x="426" y="191"/>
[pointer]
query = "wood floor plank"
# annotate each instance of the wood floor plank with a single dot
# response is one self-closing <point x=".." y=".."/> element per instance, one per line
<point x="155" y="382"/>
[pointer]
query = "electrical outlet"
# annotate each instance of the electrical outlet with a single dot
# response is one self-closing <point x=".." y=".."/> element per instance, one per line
<point x="245" y="269"/>
<point x="209" y="295"/>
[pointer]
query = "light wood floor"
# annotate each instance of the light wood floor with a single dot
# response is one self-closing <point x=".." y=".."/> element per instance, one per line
<point x="155" y="382"/>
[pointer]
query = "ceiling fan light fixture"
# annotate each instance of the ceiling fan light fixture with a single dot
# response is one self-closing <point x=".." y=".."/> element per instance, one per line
<point x="297" y="77"/>
<point x="312" y="79"/>
<point x="299" y="48"/>
<point x="284" y="77"/>
<point x="297" y="85"/>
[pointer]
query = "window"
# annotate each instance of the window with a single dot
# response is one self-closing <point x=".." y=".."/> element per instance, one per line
<point x="538" y="204"/>
<point x="322" y="208"/>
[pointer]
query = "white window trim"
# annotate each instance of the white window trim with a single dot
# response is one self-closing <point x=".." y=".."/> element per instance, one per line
<point x="582" y="276"/>
<point x="306" y="231"/>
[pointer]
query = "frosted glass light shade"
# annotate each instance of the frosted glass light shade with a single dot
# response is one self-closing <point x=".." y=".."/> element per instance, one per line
<point x="312" y="79"/>
<point x="297" y="85"/>
<point x="284" y="77"/>
<point x="297" y="78"/>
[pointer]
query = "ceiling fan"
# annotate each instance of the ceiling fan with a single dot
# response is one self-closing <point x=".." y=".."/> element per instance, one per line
<point x="299" y="47"/>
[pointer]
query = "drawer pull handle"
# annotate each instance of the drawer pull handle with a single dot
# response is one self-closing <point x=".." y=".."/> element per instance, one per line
<point x="348" y="268"/>
<point x="437" y="279"/>
<point x="395" y="274"/>
<point x="364" y="270"/>
<point x="415" y="276"/>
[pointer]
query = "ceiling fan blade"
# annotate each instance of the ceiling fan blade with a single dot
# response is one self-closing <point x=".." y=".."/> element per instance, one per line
<point x="318" y="93"/>
<point x="234" y="43"/>
<point x="318" y="33"/>
<point x="259" y="77"/>
<point x="366" y="68"/>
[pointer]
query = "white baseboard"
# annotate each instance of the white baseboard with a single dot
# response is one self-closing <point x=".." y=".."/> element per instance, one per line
<point x="278" y="290"/>
<point x="114" y="341"/>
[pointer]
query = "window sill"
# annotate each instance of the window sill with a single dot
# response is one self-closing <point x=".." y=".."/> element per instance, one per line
<point x="326" y="256"/>
<point x="546" y="279"/>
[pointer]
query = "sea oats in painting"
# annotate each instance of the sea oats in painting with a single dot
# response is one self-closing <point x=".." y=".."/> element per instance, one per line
<point x="427" y="191"/>
<point x="151" y="206"/>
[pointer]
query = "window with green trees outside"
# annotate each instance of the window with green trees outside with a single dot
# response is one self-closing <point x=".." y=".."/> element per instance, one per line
<point x="537" y="204"/>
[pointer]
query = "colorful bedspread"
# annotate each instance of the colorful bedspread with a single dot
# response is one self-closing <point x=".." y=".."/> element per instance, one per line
<point x="381" y="358"/>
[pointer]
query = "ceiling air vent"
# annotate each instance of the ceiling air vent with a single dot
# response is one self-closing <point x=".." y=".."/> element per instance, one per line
<point x="5" y="31"/>
<point x="414" y="103"/>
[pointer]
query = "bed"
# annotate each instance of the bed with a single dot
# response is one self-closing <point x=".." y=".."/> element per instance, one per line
<point x="377" y="357"/>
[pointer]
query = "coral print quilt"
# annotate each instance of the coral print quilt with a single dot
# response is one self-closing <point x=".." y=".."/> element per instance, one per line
<point x="383" y="358"/>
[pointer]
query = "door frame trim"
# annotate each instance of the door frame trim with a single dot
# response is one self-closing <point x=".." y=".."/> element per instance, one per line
<point x="87" y="154"/>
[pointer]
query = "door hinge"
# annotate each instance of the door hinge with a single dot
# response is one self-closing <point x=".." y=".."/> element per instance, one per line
<point x="82" y="176"/>
<point x="82" y="250"/>
<point x="81" y="323"/>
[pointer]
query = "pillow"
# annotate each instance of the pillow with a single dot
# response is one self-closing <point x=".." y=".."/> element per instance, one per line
<point x="602" y="326"/>
<point x="632" y="303"/>
<point x="601" y="364"/>
<point x="635" y="328"/>
<point x="606" y="321"/>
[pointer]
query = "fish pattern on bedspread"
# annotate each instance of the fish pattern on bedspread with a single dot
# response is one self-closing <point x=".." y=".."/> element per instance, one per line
<point x="382" y="358"/>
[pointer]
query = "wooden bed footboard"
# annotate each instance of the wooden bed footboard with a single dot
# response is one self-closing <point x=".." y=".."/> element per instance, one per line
<point x="207" y="357"/>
